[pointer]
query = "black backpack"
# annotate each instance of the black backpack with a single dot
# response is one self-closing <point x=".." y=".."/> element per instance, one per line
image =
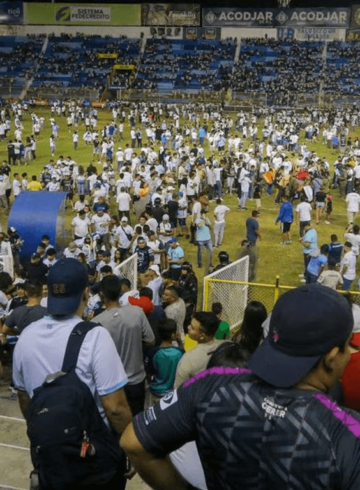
<point x="70" y="442"/>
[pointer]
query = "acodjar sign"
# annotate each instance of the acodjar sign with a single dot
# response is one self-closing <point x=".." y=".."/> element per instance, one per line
<point x="320" y="17"/>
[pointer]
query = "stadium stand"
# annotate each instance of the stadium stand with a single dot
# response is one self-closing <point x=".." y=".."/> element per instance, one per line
<point x="263" y="66"/>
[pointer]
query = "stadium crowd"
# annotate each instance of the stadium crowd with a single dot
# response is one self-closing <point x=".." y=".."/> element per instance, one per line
<point x="264" y="65"/>
<point x="177" y="160"/>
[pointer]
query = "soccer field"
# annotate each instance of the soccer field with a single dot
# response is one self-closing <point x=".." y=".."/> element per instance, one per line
<point x="274" y="259"/>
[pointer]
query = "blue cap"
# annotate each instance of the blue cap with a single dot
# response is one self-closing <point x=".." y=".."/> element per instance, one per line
<point x="306" y="323"/>
<point x="67" y="280"/>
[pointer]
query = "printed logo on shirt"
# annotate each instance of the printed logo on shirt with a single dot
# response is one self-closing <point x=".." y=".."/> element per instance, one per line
<point x="168" y="400"/>
<point x="149" y="415"/>
<point x="273" y="409"/>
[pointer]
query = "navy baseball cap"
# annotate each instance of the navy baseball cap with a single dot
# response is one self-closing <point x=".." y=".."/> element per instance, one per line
<point x="67" y="280"/>
<point x="306" y="323"/>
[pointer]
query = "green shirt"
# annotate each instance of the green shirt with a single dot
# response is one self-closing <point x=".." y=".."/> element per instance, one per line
<point x="223" y="332"/>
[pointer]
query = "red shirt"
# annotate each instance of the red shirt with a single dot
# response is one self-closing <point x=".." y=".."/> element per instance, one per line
<point x="350" y="381"/>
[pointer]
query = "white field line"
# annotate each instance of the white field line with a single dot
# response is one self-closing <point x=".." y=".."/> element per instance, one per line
<point x="10" y="487"/>
<point x="12" y="418"/>
<point x="14" y="447"/>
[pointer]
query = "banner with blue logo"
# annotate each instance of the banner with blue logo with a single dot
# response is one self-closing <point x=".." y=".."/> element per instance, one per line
<point x="316" y="17"/>
<point x="11" y="13"/>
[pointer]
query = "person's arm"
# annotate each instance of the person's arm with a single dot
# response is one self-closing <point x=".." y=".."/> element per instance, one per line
<point x="24" y="401"/>
<point x="157" y="472"/>
<point x="183" y="371"/>
<point x="176" y="261"/>
<point x="148" y="336"/>
<point x="117" y="410"/>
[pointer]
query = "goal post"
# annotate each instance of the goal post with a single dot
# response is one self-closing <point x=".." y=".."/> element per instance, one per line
<point x="128" y="269"/>
<point x="226" y="286"/>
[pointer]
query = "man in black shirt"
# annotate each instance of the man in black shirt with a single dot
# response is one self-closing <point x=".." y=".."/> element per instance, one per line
<point x="36" y="270"/>
<point x="11" y="153"/>
<point x="271" y="427"/>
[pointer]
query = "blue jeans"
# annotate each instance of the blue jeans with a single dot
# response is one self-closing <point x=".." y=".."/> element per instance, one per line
<point x="204" y="244"/>
<point x="310" y="278"/>
<point x="347" y="284"/>
<point x="218" y="188"/>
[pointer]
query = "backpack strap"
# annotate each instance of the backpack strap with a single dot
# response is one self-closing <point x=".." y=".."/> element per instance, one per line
<point x="74" y="344"/>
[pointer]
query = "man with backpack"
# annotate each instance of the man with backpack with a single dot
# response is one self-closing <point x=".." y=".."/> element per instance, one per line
<point x="70" y="383"/>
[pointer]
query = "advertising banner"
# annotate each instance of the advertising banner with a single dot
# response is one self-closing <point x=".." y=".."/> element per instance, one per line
<point x="11" y="13"/>
<point x="201" y="33"/>
<point x="82" y="14"/>
<point x="353" y="35"/>
<point x="107" y="55"/>
<point x="355" y="17"/>
<point x="317" y="17"/>
<point x="311" y="33"/>
<point x="124" y="67"/>
<point x="170" y="14"/>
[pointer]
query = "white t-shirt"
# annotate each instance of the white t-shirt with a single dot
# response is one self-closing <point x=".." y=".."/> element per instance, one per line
<point x="81" y="226"/>
<point x="196" y="210"/>
<point x="41" y="348"/>
<point x="353" y="201"/>
<point x="349" y="259"/>
<point x="354" y="240"/>
<point x="220" y="212"/>
<point x="123" y="199"/>
<point x="304" y="209"/>
<point x="101" y="223"/>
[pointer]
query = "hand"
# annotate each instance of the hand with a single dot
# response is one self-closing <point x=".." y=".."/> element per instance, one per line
<point x="130" y="471"/>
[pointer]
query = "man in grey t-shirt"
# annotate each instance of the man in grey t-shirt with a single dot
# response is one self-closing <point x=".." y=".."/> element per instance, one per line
<point x="129" y="328"/>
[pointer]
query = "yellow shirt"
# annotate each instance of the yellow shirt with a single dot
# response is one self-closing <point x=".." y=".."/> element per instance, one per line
<point x="34" y="185"/>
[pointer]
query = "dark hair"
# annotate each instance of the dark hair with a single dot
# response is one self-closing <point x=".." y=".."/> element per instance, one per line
<point x="125" y="282"/>
<point x="105" y="269"/>
<point x="5" y="281"/>
<point x="174" y="289"/>
<point x="251" y="332"/>
<point x="229" y="354"/>
<point x="51" y="251"/>
<point x="332" y="262"/>
<point x="166" y="328"/>
<point x="33" y="289"/>
<point x="356" y="229"/>
<point x="148" y="292"/>
<point x="223" y="256"/>
<point x="333" y="238"/>
<point x="209" y="322"/>
<point x="109" y="288"/>
<point x="216" y="308"/>
<point x="324" y="249"/>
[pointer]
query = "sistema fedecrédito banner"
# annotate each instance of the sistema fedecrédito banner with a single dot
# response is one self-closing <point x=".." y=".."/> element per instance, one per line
<point x="82" y="14"/>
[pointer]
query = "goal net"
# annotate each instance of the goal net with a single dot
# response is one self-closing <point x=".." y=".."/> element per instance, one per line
<point x="225" y="286"/>
<point x="128" y="269"/>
